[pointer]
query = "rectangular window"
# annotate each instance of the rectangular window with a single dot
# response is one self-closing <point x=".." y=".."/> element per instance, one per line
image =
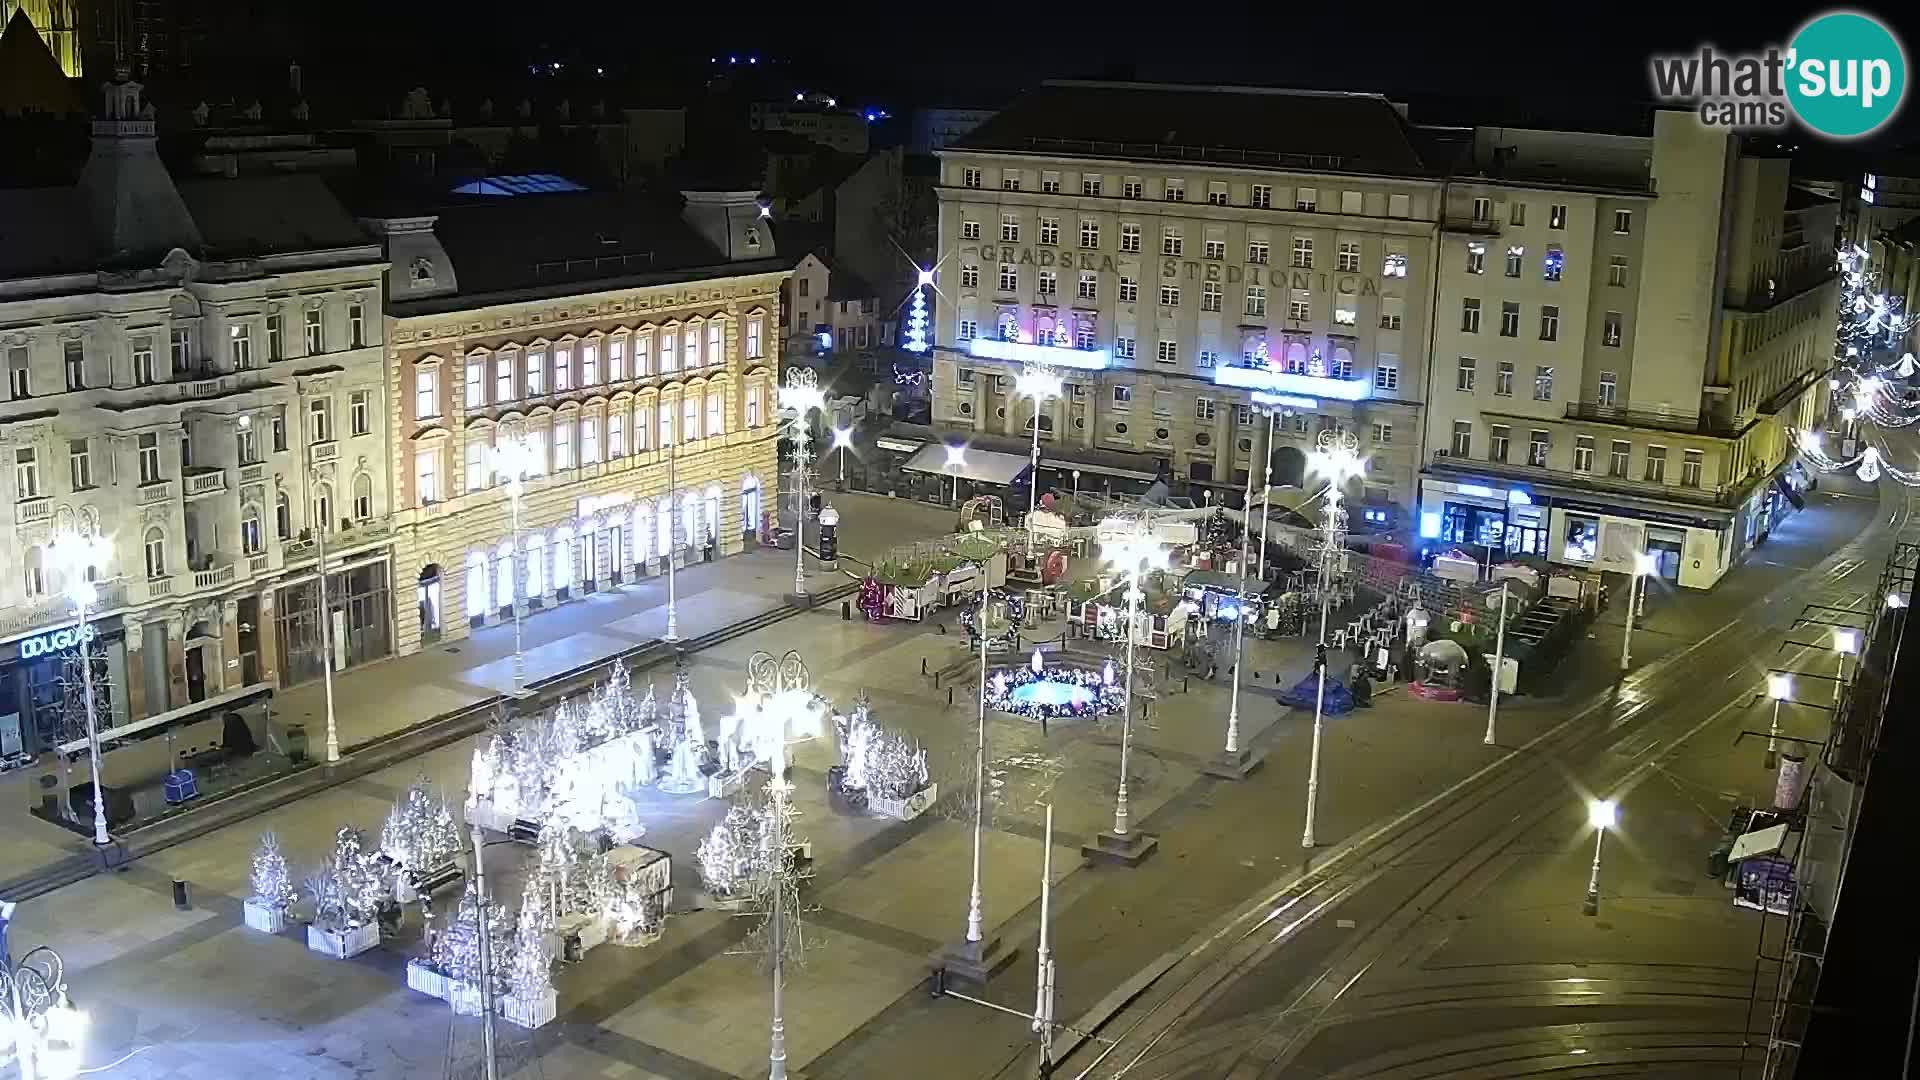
<point x="536" y="378"/>
<point x="1129" y="290"/>
<point x="1050" y="183"/>
<point x="1476" y="258"/>
<point x="1050" y="231"/>
<point x="1210" y="294"/>
<point x="1049" y="283"/>
<point x="1303" y="252"/>
<point x="1203" y="408"/>
<point x="1583" y="454"/>
<point x="1607" y="388"/>
<point x="1542" y="382"/>
<point x="1557" y="216"/>
<point x="1349" y="258"/>
<point x="616" y="359"/>
<point x="1656" y="464"/>
<point x="1482" y="211"/>
<point x="1089" y="233"/>
<point x="1610" y="330"/>
<point x="1623" y="221"/>
<point x="754" y="330"/>
<point x="1123" y="397"/>
<point x="1169" y="352"/>
<point x="1261" y="197"/>
<point x="360" y="412"/>
<point x="180" y="346"/>
<point x="1499" y="436"/>
<point x="149" y="454"/>
<point x="1162" y="403"/>
<point x="1344" y="313"/>
<point x="1618" y="457"/>
<point x="316" y="332"/>
<point x="1386" y="374"/>
<point x="642" y="355"/>
<point x="1009" y="277"/>
<point x="1089" y="288"/>
<point x="1130" y="238"/>
<point x="426" y="474"/>
<point x="1465" y="375"/>
<point x="1470" y="315"/>
<point x="1009" y="228"/>
<point x="503" y="378"/>
<point x="276" y="337"/>
<point x="279" y="426"/>
<point x="80" y="464"/>
<point x="19" y="373"/>
<point x="320" y="420"/>
<point x="1133" y="188"/>
<point x="1503" y="379"/>
<point x="689" y="418"/>
<point x="1083" y="337"/>
<point x="1394" y="264"/>
<point x="1169" y="296"/>
<point x="1617" y="271"/>
<point x="563" y="362"/>
<point x="1509" y="319"/>
<point x="1176" y="190"/>
<point x="478" y="454"/>
<point x="1305" y="198"/>
<point x="1391" y="310"/>
<point x="1554" y="264"/>
<point x="426" y="394"/>
<point x="1462" y="438"/>
<point x="1517" y="213"/>
<point x="239" y="346"/>
<point x="26" y="474"/>
<point x="969" y="329"/>
<point x="1206" y="358"/>
<point x="1538" y="444"/>
<point x="590" y="362"/>
<point x="969" y="230"/>
<point x="1216" y="194"/>
<point x="1171" y="242"/>
<point x="1090" y="186"/>
<point x="1516" y="258"/>
<point x="144" y="372"/>
<point x="1123" y="347"/>
<point x="970" y="178"/>
<point x="1690" y="467"/>
<point x="357" y="324"/>
<point x="1351" y="202"/>
<point x="1256" y="300"/>
<point x="476" y="383"/>
<point x="616" y="434"/>
<point x="589" y="440"/>
<point x="1383" y="434"/>
<point x="1549" y="323"/>
<point x="1009" y="181"/>
<point x="1300" y="305"/>
<point x="562" y="444"/>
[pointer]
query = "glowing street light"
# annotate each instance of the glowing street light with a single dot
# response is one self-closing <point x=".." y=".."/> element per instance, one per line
<point x="1038" y="383"/>
<point x="1602" y="814"/>
<point x="843" y="442"/>
<point x="956" y="460"/>
<point x="1232" y="763"/>
<point x="1643" y="566"/>
<point x="1846" y="642"/>
<point x="1134" y="556"/>
<point x="800" y="396"/>
<point x="1779" y="688"/>
<point x="516" y="457"/>
<point x="1337" y="458"/>
<point x="77" y="557"/>
<point x="44" y="1027"/>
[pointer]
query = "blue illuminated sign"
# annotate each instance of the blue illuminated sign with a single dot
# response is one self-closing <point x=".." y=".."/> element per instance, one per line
<point x="1261" y="397"/>
<point x="1253" y="378"/>
<point x="54" y="641"/>
<point x="1023" y="352"/>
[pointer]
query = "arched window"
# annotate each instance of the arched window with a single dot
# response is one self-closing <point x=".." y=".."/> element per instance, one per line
<point x="251" y="538"/>
<point x="1296" y="361"/>
<point x="750" y="504"/>
<point x="536" y="556"/>
<point x="503" y="576"/>
<point x="282" y="516"/>
<point x="323" y="506"/>
<point x="476" y="584"/>
<point x="363" y="497"/>
<point x="156" y="550"/>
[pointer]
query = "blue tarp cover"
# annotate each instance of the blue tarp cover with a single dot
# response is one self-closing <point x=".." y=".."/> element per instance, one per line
<point x="1339" y="700"/>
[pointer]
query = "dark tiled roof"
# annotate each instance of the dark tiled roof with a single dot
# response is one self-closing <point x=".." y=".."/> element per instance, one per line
<point x="248" y="216"/>
<point x="1361" y="133"/>
<point x="1799" y="198"/>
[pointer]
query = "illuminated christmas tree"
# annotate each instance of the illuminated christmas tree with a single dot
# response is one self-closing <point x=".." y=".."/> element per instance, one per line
<point x="917" y="322"/>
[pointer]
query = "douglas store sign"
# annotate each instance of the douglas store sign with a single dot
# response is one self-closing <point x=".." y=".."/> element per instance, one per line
<point x="55" y="641"/>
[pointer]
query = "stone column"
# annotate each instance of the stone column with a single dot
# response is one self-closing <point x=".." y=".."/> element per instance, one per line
<point x="267" y="634"/>
<point x="230" y="677"/>
<point x="135" y="690"/>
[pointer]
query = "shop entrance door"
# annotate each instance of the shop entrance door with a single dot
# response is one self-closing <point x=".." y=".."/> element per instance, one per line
<point x="196" y="673"/>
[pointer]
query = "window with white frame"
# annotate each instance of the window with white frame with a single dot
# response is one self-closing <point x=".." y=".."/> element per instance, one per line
<point x="1090" y="186"/>
<point x="145" y="372"/>
<point x="252" y="537"/>
<point x="1089" y="285"/>
<point x="1089" y="233"/>
<point x="1476" y="257"/>
<point x="426" y="472"/>
<point x="1176" y="190"/>
<point x="240" y="346"/>
<point x="1299" y="305"/>
<point x="1258" y="252"/>
<point x="1392" y="309"/>
<point x="643" y="429"/>
<point x="1509" y="319"/>
<point x="357" y="324"/>
<point x="669" y="350"/>
<point x="1169" y="296"/>
<point x="1386" y="373"/>
<point x="1171" y="241"/>
<point x="1539" y="444"/>
<point x="1516" y="257"/>
<point x="179" y="345"/>
<point x="1549" y="323"/>
<point x="1482" y="210"/>
<point x="1206" y="358"/>
<point x="1169" y="352"/>
<point x="1617" y="271"/>
<point x="1349" y="258"/>
<point x="589" y="363"/>
<point x="1394" y="264"/>
<point x="360" y="412"/>
<point x="320" y="420"/>
<point x="149" y="458"/>
<point x="1465" y="374"/>
<point x="478" y="454"/>
<point x="1260" y="196"/>
<point x="616" y="434"/>
<point x="562" y="443"/>
<point x="1383" y="434"/>
<point x="1656" y="464"/>
<point x="1132" y="188"/>
<point x="1050" y="183"/>
<point x="1009" y="228"/>
<point x="1010" y="180"/>
<point x="1543" y="382"/>
<point x="589" y="440"/>
<point x="1123" y="398"/>
<point x="1608" y="388"/>
<point x="1583" y="453"/>
<point x="1503" y="379"/>
<point x="1204" y="408"/>
<point x="1211" y="293"/>
<point x="1610" y="330"/>
<point x="1470" y="315"/>
<point x="476" y="383"/>
<point x="426" y="393"/>
<point x="1691" y="464"/>
<point x="1257" y="300"/>
<point x="1305" y="198"/>
<point x="690" y="417"/>
<point x="1499" y="440"/>
<point x="1623" y="221"/>
<point x="503" y="378"/>
<point x="1345" y="313"/>
<point x="1050" y="231"/>
<point x="754" y="334"/>
<point x="1123" y="347"/>
<point x="80" y="464"/>
<point x="690" y="358"/>
<point x="276" y="337"/>
<point x="1083" y="336"/>
<point x="316" y="332"/>
<point x="970" y="178"/>
<point x="969" y="329"/>
<point x="1303" y="252"/>
<point x="716" y="414"/>
<point x="1462" y="438"/>
<point x="1557" y="216"/>
<point x="617" y="359"/>
<point x="1216" y="194"/>
<point x="1009" y="277"/>
<point x="26" y="474"/>
<point x="1214" y="249"/>
<point x="1129" y="237"/>
<point x="1619" y="458"/>
<point x="155" y="548"/>
<point x="969" y="230"/>
<point x="536" y="379"/>
<point x="1049" y="283"/>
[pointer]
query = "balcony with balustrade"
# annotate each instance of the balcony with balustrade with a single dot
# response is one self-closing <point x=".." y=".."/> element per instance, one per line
<point x="202" y="481"/>
<point x="33" y="511"/>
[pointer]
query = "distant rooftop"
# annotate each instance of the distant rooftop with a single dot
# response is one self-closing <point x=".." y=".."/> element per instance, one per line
<point x="1337" y="132"/>
<point x="518" y="184"/>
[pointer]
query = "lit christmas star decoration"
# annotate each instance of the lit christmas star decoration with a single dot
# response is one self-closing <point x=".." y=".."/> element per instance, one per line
<point x="916" y="341"/>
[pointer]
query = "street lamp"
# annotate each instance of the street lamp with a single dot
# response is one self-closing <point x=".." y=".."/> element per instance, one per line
<point x="800" y="395"/>
<point x="1266" y="486"/>
<point x="1038" y="383"/>
<point x="1643" y="566"/>
<point x="1499" y="661"/>
<point x="843" y="441"/>
<point x="515" y="456"/>
<point x="1076" y="492"/>
<point x="956" y="460"/>
<point x="1233" y="760"/>
<point x="76" y="557"/>
<point x="1134" y="556"/>
<point x="673" y="534"/>
<point x="43" y="1025"/>
<point x="1601" y="814"/>
<point x="1779" y="688"/>
<point x="1846" y="642"/>
<point x="1337" y="458"/>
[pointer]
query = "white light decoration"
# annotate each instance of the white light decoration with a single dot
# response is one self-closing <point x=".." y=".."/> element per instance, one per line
<point x="1021" y="352"/>
<point x="916" y="337"/>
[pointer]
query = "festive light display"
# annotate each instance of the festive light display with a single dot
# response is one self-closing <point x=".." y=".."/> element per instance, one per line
<point x="348" y="891"/>
<point x="1036" y="690"/>
<point x="688" y="756"/>
<point x="727" y="857"/>
<point x="271" y="882"/>
<point x="455" y="950"/>
<point x="916" y="337"/>
<point x="878" y="762"/>
<point x="420" y="834"/>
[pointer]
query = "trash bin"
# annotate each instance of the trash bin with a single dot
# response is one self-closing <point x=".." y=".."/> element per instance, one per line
<point x="297" y="743"/>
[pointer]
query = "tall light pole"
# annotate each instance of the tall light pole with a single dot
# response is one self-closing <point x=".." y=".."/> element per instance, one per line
<point x="1499" y="661"/>
<point x="1846" y="642"/>
<point x="1133" y="554"/>
<point x="956" y="459"/>
<point x="486" y="957"/>
<point x="673" y="534"/>
<point x="515" y="457"/>
<point x="1601" y="814"/>
<point x="843" y="441"/>
<point x="76" y="557"/>
<point x="1779" y="688"/>
<point x="974" y="917"/>
<point x="1043" y="968"/>
<point x="1338" y="459"/>
<point x="801" y="395"/>
<point x="1039" y="384"/>
<point x="1266" y="491"/>
<point x="1076" y="492"/>
<point x="1643" y="565"/>
<point x="1232" y="763"/>
<point x="326" y="612"/>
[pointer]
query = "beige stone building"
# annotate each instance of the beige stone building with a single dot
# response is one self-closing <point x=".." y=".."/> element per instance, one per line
<point x="1184" y="255"/>
<point x="194" y="373"/>
<point x="1627" y="329"/>
<point x="628" y="342"/>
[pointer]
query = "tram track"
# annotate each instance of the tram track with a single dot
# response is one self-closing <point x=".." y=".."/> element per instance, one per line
<point x="1504" y="801"/>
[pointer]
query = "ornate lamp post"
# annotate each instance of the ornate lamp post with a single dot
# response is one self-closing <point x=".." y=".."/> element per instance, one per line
<point x="1601" y="814"/>
<point x="46" y="1028"/>
<point x="1133" y="555"/>
<point x="800" y="395"/>
<point x="1338" y="459"/>
<point x="76" y="558"/>
<point x="1040" y="384"/>
<point x="516" y="457"/>
<point x="673" y="534"/>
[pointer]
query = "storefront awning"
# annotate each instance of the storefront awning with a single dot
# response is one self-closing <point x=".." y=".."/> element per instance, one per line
<point x="979" y="466"/>
<point x="1097" y="469"/>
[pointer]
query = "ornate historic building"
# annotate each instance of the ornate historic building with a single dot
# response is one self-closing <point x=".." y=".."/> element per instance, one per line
<point x="634" y="346"/>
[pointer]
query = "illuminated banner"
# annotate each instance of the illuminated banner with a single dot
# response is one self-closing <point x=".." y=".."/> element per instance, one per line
<point x="1289" y="401"/>
<point x="1021" y="352"/>
<point x="1251" y="378"/>
<point x="55" y="641"/>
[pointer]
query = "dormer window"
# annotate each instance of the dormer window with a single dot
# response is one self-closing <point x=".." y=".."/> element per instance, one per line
<point x="421" y="273"/>
<point x="753" y="237"/>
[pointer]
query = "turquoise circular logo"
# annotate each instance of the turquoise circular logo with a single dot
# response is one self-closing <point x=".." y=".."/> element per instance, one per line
<point x="1846" y="74"/>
